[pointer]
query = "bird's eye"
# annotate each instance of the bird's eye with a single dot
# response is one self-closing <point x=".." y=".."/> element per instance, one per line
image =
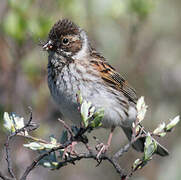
<point x="65" y="41"/>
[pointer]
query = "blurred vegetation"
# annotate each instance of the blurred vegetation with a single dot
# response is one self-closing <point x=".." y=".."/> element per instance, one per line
<point x="140" y="37"/>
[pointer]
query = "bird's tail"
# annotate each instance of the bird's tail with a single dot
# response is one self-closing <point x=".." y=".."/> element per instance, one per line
<point x="139" y="144"/>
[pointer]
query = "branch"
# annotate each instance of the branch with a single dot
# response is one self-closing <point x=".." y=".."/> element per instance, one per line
<point x="72" y="160"/>
<point x="40" y="157"/>
<point x="90" y="119"/>
<point x="30" y="127"/>
<point x="78" y="136"/>
<point x="4" y="177"/>
<point x="78" y="157"/>
<point x="119" y="153"/>
<point x="66" y="127"/>
<point x="8" y="157"/>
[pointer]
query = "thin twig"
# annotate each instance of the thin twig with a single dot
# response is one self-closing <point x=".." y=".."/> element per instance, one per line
<point x="8" y="157"/>
<point x="92" y="156"/>
<point x="72" y="160"/>
<point x="79" y="136"/>
<point x="37" y="139"/>
<point x="31" y="116"/>
<point x="2" y="176"/>
<point x="7" y="148"/>
<point x="119" y="153"/>
<point x="66" y="127"/>
<point x="63" y="146"/>
<point x="40" y="157"/>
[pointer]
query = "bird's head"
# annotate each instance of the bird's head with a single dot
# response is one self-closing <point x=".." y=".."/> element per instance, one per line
<point x="67" y="39"/>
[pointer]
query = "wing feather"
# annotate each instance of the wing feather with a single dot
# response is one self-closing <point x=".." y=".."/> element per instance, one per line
<point x="114" y="79"/>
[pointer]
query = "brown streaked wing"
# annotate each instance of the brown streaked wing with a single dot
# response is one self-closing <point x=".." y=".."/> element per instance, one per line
<point x="114" y="79"/>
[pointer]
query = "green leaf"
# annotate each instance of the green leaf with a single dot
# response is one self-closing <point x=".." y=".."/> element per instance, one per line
<point x="138" y="128"/>
<point x="34" y="146"/>
<point x="141" y="108"/>
<point x="137" y="164"/>
<point x="40" y="146"/>
<point x="85" y="106"/>
<point x="173" y="123"/>
<point x="53" y="140"/>
<point x="162" y="134"/>
<point x="8" y="124"/>
<point x="55" y="163"/>
<point x="13" y="122"/>
<point x="19" y="121"/>
<point x="160" y="129"/>
<point x="49" y="145"/>
<point x="47" y="164"/>
<point x="96" y="122"/>
<point x="150" y="148"/>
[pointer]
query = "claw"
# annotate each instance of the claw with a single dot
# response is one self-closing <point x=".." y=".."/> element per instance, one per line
<point x="102" y="149"/>
<point x="70" y="150"/>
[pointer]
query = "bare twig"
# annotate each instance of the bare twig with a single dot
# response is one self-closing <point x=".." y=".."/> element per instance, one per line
<point x="63" y="146"/>
<point x="36" y="139"/>
<point x="78" y="135"/>
<point x="66" y="127"/>
<point x="2" y="176"/>
<point x="72" y="160"/>
<point x="40" y="157"/>
<point x="8" y="157"/>
<point x="31" y="116"/>
<point x="119" y="153"/>
<point x="7" y="148"/>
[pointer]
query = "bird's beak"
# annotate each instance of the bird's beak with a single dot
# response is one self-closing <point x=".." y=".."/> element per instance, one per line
<point x="48" y="45"/>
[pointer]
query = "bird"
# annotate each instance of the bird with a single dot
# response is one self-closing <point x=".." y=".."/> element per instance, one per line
<point x="74" y="65"/>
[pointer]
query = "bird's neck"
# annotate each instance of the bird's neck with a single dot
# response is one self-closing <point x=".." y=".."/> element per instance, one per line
<point x="84" y="51"/>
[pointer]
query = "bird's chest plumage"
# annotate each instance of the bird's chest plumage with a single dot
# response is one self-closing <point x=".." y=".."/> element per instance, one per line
<point x="67" y="79"/>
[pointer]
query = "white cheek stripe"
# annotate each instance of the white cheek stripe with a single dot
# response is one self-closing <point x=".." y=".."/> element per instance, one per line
<point x="83" y="52"/>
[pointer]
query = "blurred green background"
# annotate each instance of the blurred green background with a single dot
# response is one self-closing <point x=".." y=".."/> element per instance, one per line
<point x="141" y="38"/>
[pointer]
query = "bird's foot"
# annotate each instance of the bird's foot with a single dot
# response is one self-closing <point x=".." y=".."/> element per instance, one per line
<point x="102" y="149"/>
<point x="70" y="150"/>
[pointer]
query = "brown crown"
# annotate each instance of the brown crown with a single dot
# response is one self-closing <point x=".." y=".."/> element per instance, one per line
<point x="63" y="27"/>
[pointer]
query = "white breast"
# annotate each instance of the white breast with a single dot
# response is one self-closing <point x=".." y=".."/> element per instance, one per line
<point x="75" y="78"/>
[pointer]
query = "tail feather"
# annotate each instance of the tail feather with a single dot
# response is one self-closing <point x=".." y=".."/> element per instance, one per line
<point x="139" y="144"/>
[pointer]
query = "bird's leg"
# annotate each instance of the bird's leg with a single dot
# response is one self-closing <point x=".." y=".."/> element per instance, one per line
<point x="102" y="148"/>
<point x="70" y="150"/>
